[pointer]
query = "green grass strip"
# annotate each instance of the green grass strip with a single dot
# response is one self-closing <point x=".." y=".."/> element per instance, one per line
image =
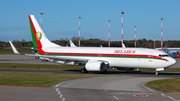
<point x="37" y="79"/>
<point x="168" y="85"/>
<point x="8" y="50"/>
<point x="65" y="67"/>
<point x="38" y="66"/>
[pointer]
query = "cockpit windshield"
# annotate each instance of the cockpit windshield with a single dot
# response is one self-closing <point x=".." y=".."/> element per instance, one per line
<point x="163" y="55"/>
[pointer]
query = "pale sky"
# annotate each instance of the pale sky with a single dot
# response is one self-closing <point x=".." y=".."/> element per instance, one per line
<point x="60" y="19"/>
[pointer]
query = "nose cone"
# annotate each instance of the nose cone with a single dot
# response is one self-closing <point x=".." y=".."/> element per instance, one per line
<point x="172" y="61"/>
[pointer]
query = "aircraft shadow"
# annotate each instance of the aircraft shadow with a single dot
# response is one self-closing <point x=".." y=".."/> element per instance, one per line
<point x="126" y="73"/>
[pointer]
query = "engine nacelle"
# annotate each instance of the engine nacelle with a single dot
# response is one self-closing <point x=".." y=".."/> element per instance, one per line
<point x="95" y="66"/>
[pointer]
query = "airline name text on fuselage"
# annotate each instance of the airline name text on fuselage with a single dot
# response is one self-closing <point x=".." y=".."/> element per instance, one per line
<point x="124" y="51"/>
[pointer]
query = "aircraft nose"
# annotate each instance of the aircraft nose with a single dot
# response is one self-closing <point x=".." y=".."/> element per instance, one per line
<point x="172" y="61"/>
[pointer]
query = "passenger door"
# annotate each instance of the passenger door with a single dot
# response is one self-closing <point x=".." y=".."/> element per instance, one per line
<point x="150" y="57"/>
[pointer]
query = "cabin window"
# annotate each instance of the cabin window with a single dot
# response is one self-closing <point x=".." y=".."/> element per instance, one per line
<point x="163" y="55"/>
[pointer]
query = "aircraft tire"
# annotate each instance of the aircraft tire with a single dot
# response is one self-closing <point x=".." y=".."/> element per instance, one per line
<point x="83" y="70"/>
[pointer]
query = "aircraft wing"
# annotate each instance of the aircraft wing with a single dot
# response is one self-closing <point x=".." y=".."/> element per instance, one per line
<point x="58" y="58"/>
<point x="50" y="57"/>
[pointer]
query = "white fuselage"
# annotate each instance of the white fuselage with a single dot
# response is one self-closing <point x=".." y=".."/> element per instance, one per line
<point x="116" y="57"/>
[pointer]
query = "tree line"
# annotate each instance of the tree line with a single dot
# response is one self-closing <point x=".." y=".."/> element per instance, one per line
<point x="143" y="43"/>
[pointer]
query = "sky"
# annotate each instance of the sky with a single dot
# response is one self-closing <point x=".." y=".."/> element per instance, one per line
<point x="60" y="19"/>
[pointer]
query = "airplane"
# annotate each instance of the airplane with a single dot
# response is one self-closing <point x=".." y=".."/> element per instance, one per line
<point x="96" y="58"/>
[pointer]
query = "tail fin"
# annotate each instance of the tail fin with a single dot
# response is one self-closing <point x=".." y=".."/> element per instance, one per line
<point x="38" y="37"/>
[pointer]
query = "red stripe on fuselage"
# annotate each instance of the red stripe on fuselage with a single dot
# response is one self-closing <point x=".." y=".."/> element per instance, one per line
<point x="108" y="55"/>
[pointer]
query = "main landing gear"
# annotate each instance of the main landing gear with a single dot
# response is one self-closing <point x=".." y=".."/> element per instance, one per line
<point x="157" y="73"/>
<point x="83" y="70"/>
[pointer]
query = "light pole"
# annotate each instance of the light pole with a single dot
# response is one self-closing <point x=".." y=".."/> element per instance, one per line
<point x="41" y="19"/>
<point x="122" y="28"/>
<point x="161" y="35"/>
<point x="109" y="33"/>
<point x="135" y="38"/>
<point x="154" y="43"/>
<point x="79" y="30"/>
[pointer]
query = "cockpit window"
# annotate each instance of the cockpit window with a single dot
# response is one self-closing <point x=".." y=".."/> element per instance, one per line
<point x="163" y="55"/>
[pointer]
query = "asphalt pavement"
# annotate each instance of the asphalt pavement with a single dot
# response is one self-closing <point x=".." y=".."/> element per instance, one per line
<point x="114" y="86"/>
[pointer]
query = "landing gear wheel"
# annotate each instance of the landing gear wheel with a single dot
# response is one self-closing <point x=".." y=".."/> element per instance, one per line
<point x="157" y="73"/>
<point x="83" y="70"/>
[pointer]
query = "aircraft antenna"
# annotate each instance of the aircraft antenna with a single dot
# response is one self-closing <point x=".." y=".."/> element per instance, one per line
<point x="41" y="19"/>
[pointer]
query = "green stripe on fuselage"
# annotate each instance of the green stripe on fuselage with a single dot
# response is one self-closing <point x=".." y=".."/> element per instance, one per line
<point x="35" y="46"/>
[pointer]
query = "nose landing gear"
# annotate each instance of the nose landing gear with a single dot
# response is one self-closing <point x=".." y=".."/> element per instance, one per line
<point x="157" y="73"/>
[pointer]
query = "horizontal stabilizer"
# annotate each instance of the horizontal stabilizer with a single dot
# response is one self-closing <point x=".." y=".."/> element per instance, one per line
<point x="28" y="48"/>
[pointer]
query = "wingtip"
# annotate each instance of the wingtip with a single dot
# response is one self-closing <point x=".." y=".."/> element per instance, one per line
<point x="13" y="48"/>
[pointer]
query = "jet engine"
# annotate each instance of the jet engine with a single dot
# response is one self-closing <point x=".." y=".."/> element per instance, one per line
<point x="95" y="66"/>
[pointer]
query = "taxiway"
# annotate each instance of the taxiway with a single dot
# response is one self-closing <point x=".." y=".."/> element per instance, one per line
<point x="114" y="86"/>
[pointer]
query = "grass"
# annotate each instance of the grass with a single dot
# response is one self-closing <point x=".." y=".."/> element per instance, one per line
<point x="46" y="80"/>
<point x="167" y="70"/>
<point x="8" y="50"/>
<point x="38" y="66"/>
<point x="150" y="70"/>
<point x="65" y="67"/>
<point x="37" y="79"/>
<point x="168" y="85"/>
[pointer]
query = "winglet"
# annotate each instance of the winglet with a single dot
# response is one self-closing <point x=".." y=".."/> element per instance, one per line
<point x="13" y="48"/>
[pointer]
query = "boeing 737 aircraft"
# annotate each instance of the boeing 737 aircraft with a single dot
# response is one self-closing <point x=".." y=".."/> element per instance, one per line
<point x="96" y="58"/>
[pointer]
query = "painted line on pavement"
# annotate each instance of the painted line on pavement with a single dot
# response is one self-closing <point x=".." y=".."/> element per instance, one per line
<point x="148" y="88"/>
<point x="161" y="94"/>
<point x="169" y="97"/>
<point x="115" y="97"/>
<point x="59" y="92"/>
